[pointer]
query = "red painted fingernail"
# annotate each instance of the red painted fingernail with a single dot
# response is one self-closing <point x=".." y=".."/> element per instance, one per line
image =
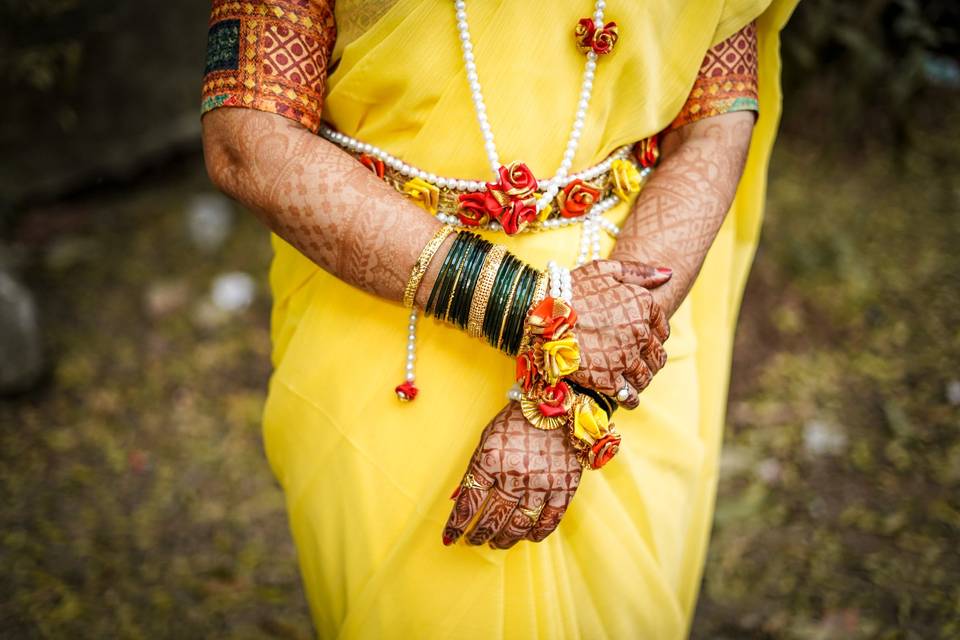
<point x="664" y="271"/>
<point x="447" y="539"/>
<point x="456" y="493"/>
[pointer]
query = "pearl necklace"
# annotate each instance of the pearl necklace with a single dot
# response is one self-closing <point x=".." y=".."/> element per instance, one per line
<point x="586" y="91"/>
<point x="592" y="222"/>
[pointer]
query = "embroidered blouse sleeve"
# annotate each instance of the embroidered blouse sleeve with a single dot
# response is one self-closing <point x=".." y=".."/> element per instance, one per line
<point x="727" y="80"/>
<point x="269" y="55"/>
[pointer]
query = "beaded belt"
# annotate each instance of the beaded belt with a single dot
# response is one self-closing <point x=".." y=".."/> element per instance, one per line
<point x="583" y="196"/>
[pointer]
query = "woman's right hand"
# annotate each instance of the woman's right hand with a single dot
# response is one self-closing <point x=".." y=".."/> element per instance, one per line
<point x="620" y="327"/>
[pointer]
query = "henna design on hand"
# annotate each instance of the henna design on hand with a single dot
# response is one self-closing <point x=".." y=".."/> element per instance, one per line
<point x="620" y="327"/>
<point x="524" y="466"/>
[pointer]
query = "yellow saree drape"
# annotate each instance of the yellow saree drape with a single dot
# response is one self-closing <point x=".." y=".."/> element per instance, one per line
<point x="367" y="478"/>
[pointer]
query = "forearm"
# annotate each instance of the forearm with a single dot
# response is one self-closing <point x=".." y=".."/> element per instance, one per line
<point x="320" y="200"/>
<point x="679" y="212"/>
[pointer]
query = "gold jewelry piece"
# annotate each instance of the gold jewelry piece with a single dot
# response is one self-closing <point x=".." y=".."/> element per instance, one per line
<point x="533" y="514"/>
<point x="469" y="482"/>
<point x="540" y="292"/>
<point x="481" y="296"/>
<point x="420" y="266"/>
<point x="506" y="311"/>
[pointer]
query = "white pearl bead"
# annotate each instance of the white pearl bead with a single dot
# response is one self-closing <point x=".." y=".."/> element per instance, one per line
<point x="410" y="377"/>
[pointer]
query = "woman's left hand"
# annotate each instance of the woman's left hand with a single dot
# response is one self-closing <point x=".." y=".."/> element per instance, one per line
<point x="518" y="484"/>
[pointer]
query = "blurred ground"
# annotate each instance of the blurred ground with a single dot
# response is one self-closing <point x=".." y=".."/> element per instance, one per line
<point x="138" y="503"/>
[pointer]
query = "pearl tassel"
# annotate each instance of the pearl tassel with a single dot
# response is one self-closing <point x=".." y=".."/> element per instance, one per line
<point x="407" y="391"/>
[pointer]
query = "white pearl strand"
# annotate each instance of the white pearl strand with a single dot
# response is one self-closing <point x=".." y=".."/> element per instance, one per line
<point x="411" y="345"/>
<point x="395" y="163"/>
<point x="586" y="91"/>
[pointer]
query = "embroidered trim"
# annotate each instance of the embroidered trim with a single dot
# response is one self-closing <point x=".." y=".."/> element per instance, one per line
<point x="269" y="55"/>
<point x="727" y="80"/>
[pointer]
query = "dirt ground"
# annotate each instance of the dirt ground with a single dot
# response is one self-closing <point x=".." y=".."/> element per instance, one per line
<point x="137" y="502"/>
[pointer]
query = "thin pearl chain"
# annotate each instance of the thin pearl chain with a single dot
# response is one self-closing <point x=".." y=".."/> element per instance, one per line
<point x="586" y="91"/>
<point x="399" y="165"/>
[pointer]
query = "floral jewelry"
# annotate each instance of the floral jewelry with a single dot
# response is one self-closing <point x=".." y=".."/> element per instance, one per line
<point x="520" y="210"/>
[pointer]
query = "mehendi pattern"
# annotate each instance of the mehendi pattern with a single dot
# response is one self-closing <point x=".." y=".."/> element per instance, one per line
<point x="727" y="80"/>
<point x="269" y="55"/>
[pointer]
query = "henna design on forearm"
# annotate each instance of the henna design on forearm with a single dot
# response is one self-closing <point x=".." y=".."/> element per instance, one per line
<point x="680" y="210"/>
<point x="319" y="199"/>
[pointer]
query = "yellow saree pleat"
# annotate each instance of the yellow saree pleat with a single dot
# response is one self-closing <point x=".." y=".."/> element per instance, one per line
<point x="367" y="478"/>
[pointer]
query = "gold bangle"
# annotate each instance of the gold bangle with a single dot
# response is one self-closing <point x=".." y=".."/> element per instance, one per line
<point x="481" y="296"/>
<point x="420" y="266"/>
<point x="506" y="312"/>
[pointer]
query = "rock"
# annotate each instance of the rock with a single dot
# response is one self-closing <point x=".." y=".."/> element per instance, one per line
<point x="823" y="438"/>
<point x="232" y="292"/>
<point x="21" y="354"/>
<point x="953" y="392"/>
<point x="209" y="221"/>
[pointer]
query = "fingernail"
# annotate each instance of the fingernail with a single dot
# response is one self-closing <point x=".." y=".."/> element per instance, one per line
<point x="456" y="493"/>
<point x="447" y="539"/>
<point x="664" y="271"/>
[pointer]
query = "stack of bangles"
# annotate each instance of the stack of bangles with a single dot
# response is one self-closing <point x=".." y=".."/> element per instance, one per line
<point x="491" y="294"/>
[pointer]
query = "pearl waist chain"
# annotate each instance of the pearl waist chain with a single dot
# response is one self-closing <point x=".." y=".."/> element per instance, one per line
<point x="580" y="198"/>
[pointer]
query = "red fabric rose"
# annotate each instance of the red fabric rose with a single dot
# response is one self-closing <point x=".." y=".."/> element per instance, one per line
<point x="406" y="391"/>
<point x="554" y="400"/>
<point x="372" y="163"/>
<point x="603" y="450"/>
<point x="516" y="181"/>
<point x="476" y="208"/>
<point x="552" y="318"/>
<point x="647" y="151"/>
<point x="577" y="198"/>
<point x="584" y="34"/>
<point x="604" y="39"/>
<point x="526" y="370"/>
<point x="517" y="216"/>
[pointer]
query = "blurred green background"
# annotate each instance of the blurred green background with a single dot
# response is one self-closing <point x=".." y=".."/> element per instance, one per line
<point x="136" y="501"/>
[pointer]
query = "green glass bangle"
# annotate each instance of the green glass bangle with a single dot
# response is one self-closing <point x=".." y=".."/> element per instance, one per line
<point x="518" y="311"/>
<point x="502" y="300"/>
<point x="438" y="295"/>
<point x="447" y="260"/>
<point x="463" y="294"/>
<point x="455" y="282"/>
<point x="497" y="302"/>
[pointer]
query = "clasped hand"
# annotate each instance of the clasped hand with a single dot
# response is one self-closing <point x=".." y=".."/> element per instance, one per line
<point x="521" y="479"/>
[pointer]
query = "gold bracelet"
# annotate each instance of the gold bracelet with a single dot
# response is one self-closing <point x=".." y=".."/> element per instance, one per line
<point x="506" y="312"/>
<point x="481" y="295"/>
<point x="420" y="266"/>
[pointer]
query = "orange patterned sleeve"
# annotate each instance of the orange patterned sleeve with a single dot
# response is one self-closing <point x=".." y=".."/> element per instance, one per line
<point x="269" y="55"/>
<point x="727" y="80"/>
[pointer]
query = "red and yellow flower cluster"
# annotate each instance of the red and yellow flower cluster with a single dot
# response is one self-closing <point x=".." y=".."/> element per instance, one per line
<point x="551" y="352"/>
<point x="511" y="200"/>
<point x="600" y="40"/>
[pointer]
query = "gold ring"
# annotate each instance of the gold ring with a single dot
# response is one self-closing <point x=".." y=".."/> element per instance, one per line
<point x="533" y="514"/>
<point x="469" y="482"/>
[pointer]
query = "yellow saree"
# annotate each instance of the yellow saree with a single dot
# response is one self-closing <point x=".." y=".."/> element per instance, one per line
<point x="367" y="478"/>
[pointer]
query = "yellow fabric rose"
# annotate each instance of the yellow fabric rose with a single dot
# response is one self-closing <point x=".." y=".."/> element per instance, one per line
<point x="560" y="358"/>
<point x="590" y="422"/>
<point x="626" y="178"/>
<point x="424" y="195"/>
